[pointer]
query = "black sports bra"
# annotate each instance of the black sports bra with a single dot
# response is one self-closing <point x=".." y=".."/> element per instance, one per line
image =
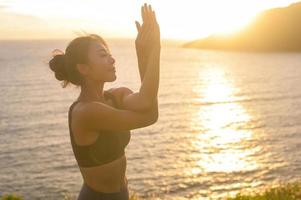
<point x="108" y="146"/>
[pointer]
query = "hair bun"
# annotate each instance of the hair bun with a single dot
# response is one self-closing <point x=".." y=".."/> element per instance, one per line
<point x="57" y="64"/>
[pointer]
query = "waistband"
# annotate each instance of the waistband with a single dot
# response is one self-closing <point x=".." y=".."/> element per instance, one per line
<point x="89" y="193"/>
<point x="124" y="188"/>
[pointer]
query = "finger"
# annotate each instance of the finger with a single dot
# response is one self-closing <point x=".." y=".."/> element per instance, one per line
<point x="151" y="21"/>
<point x="141" y="32"/>
<point x="143" y="14"/>
<point x="148" y="11"/>
<point x="149" y="14"/>
<point x="150" y="8"/>
<point x="155" y="19"/>
<point x="156" y="25"/>
<point x="154" y="16"/>
<point x="138" y="26"/>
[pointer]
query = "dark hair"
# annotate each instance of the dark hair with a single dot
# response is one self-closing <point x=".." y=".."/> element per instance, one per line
<point x="64" y="65"/>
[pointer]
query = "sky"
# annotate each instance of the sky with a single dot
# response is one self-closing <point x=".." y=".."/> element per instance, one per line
<point x="178" y="19"/>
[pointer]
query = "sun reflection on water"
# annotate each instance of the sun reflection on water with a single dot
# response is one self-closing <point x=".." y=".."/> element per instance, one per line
<point x="220" y="143"/>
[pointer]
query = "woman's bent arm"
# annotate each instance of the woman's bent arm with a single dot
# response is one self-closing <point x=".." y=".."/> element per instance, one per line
<point x="99" y="116"/>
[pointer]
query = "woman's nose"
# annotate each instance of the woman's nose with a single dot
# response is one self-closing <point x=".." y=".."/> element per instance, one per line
<point x="112" y="60"/>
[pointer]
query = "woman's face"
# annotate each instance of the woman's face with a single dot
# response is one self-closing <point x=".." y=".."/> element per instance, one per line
<point x="101" y="63"/>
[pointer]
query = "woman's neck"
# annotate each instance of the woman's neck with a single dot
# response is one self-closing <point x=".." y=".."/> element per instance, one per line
<point x="91" y="92"/>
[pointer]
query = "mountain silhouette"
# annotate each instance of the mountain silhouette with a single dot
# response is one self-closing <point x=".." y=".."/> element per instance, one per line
<point x="276" y="29"/>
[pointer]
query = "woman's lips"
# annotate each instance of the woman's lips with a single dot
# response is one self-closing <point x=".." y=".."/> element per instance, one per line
<point x="114" y="70"/>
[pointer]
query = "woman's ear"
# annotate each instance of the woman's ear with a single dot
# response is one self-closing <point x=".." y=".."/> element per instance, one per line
<point x="83" y="69"/>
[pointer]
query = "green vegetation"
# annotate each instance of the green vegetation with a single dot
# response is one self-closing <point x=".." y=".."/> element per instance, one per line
<point x="290" y="191"/>
<point x="11" y="197"/>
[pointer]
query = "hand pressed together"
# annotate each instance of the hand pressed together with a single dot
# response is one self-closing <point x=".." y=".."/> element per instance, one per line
<point x="148" y="38"/>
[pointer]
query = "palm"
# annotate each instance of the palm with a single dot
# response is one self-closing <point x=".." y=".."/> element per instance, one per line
<point x="148" y="37"/>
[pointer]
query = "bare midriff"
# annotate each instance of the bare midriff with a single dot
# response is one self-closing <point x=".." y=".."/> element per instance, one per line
<point x="107" y="178"/>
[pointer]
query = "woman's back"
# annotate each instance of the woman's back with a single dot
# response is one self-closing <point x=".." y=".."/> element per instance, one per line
<point x="100" y="154"/>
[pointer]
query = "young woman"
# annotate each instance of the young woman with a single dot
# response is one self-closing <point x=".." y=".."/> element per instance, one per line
<point x="100" y="121"/>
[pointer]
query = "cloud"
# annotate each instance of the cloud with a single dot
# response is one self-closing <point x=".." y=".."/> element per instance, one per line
<point x="20" y="26"/>
<point x="23" y="26"/>
<point x="3" y="7"/>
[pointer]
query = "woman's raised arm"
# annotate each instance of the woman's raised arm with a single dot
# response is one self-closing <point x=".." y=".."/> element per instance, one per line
<point x="148" y="48"/>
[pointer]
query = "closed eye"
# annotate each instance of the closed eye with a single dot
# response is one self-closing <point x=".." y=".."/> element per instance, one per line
<point x="103" y="53"/>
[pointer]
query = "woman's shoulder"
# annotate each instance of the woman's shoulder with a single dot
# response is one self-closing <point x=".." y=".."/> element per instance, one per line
<point x="119" y="90"/>
<point x="115" y="94"/>
<point x="118" y="93"/>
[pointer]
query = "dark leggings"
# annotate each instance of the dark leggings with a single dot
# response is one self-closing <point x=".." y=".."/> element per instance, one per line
<point x="87" y="193"/>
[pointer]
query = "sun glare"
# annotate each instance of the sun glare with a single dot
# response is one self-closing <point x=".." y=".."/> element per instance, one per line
<point x="199" y="19"/>
<point x="208" y="18"/>
<point x="220" y="142"/>
<point x="178" y="20"/>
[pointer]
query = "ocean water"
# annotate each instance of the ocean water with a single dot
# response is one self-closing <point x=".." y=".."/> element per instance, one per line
<point x="228" y="122"/>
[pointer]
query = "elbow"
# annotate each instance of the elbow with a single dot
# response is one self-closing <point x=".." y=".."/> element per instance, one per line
<point x="155" y="117"/>
<point x="152" y="120"/>
<point x="153" y="113"/>
<point x="151" y="104"/>
<point x="152" y="117"/>
<point x="155" y="109"/>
